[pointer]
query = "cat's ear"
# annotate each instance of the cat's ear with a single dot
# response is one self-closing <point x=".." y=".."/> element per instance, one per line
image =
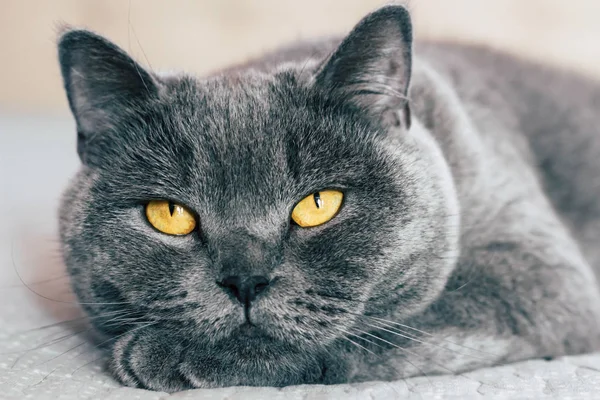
<point x="372" y="66"/>
<point x="102" y="82"/>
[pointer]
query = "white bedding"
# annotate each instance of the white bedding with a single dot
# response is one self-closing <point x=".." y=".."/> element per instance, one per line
<point x="37" y="156"/>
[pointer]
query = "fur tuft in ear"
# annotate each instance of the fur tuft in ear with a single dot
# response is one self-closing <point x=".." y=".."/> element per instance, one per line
<point x="101" y="81"/>
<point x="372" y="66"/>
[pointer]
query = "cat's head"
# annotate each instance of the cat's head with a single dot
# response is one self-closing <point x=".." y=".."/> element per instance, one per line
<point x="248" y="288"/>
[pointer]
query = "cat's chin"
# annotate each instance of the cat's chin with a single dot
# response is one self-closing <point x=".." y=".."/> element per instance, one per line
<point x="256" y="344"/>
<point x="252" y="358"/>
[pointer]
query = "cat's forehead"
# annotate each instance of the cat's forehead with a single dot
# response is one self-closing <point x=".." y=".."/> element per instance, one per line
<point x="230" y="109"/>
<point x="235" y="123"/>
<point x="240" y="91"/>
<point x="253" y="139"/>
<point x="244" y="118"/>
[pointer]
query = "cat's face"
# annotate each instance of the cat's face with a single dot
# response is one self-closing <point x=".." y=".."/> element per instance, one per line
<point x="240" y="151"/>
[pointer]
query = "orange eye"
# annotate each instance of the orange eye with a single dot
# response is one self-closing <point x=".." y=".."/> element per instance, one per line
<point x="170" y="218"/>
<point x="317" y="208"/>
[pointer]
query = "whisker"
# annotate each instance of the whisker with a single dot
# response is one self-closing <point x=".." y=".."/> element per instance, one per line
<point x="17" y="285"/>
<point x="405" y="350"/>
<point x="425" y="342"/>
<point x="129" y="46"/>
<point x="391" y="324"/>
<point x="52" y="342"/>
<point x="306" y="62"/>
<point x="378" y="345"/>
<point x="463" y="285"/>
<point x="418" y="355"/>
<point x="86" y="364"/>
<point x="49" y="326"/>
<point x="94" y="347"/>
<point x="136" y="36"/>
<point x="407" y="335"/>
<point x="52" y="336"/>
<point x="46" y="297"/>
<point x="63" y="353"/>
<point x="44" y="327"/>
<point x="360" y="337"/>
<point x="359" y="345"/>
<point x="428" y="334"/>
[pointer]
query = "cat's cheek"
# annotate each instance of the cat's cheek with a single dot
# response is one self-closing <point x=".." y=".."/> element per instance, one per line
<point x="149" y="358"/>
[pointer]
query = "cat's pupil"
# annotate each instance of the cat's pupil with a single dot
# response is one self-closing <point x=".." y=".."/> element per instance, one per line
<point x="171" y="208"/>
<point x="318" y="201"/>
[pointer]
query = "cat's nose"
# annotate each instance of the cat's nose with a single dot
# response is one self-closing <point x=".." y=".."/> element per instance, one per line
<point x="245" y="289"/>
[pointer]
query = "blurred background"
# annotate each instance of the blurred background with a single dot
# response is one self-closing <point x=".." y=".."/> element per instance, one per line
<point x="202" y="35"/>
<point x="37" y="134"/>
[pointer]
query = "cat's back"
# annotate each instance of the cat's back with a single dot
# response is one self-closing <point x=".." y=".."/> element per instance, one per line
<point x="557" y="111"/>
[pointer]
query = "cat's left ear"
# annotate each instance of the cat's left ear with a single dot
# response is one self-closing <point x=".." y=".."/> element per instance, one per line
<point x="372" y="66"/>
<point x="102" y="84"/>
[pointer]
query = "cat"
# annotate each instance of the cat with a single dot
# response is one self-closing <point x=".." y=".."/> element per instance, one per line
<point x="336" y="211"/>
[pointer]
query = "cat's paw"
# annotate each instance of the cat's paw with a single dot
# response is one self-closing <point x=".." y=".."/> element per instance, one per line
<point x="149" y="358"/>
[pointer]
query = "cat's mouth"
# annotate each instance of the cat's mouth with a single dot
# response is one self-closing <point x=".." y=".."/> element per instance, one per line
<point x="248" y="329"/>
<point x="252" y="335"/>
<point x="251" y="342"/>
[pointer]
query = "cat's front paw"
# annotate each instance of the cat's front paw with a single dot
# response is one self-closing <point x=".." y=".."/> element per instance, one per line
<point x="149" y="358"/>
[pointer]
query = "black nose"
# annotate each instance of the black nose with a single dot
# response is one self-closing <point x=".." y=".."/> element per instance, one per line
<point x="244" y="289"/>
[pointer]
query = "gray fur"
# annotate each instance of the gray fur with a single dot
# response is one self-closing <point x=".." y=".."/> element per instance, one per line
<point x="472" y="226"/>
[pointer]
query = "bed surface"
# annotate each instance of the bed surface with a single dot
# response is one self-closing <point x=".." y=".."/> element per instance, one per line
<point x="37" y="157"/>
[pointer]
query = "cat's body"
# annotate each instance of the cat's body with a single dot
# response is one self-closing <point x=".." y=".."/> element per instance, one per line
<point x="534" y="137"/>
<point x="467" y="240"/>
<point x="553" y="111"/>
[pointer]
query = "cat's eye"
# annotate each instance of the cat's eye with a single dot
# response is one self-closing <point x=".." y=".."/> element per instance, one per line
<point x="170" y="218"/>
<point x="317" y="208"/>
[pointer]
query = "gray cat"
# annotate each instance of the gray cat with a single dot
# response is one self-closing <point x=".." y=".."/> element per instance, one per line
<point x="332" y="212"/>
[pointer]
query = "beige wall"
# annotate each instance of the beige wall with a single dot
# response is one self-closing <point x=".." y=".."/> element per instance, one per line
<point x="201" y="35"/>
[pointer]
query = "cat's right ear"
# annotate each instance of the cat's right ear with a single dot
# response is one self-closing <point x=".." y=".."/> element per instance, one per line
<point x="102" y="83"/>
<point x="371" y="68"/>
